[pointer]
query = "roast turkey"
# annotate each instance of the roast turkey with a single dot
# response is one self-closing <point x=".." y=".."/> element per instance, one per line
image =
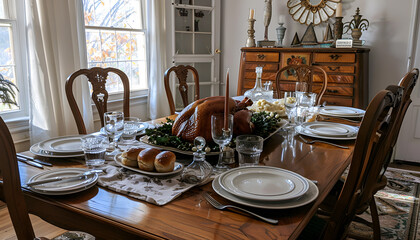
<point x="195" y="119"/>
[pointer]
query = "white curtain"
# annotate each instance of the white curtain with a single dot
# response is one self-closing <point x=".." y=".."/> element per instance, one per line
<point x="158" y="102"/>
<point x="55" y="30"/>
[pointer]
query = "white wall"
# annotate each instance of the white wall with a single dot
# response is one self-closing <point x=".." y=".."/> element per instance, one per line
<point x="387" y="36"/>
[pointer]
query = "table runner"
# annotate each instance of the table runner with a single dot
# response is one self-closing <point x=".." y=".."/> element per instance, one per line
<point x="156" y="190"/>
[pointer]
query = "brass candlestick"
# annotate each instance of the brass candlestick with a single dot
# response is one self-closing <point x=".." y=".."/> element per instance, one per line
<point x="250" y="42"/>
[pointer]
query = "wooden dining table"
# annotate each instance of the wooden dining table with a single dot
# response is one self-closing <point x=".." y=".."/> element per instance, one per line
<point x="110" y="215"/>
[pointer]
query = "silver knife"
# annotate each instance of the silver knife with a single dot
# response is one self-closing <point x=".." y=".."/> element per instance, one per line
<point x="57" y="179"/>
<point x="34" y="160"/>
<point x="29" y="162"/>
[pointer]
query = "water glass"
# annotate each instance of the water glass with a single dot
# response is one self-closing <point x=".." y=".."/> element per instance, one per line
<point x="305" y="103"/>
<point x="94" y="148"/>
<point x="290" y="103"/>
<point x="131" y="125"/>
<point x="249" y="149"/>
<point x="221" y="136"/>
<point x="114" y="126"/>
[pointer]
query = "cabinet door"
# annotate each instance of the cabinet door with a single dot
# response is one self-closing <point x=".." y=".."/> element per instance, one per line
<point x="195" y="41"/>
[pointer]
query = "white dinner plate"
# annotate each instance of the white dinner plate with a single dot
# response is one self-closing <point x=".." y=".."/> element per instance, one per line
<point x="177" y="168"/>
<point x="306" y="198"/>
<point x="330" y="129"/>
<point x="35" y="149"/>
<point x="263" y="183"/>
<point x="341" y="111"/>
<point x="66" y="145"/>
<point x="63" y="187"/>
<point x="306" y="132"/>
<point x="143" y="126"/>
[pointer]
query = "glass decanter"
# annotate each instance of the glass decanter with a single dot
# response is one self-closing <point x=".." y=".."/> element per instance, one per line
<point x="199" y="170"/>
<point x="258" y="92"/>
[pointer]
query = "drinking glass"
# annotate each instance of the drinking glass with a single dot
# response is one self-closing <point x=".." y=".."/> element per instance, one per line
<point x="221" y="136"/>
<point x="249" y="149"/>
<point x="114" y="126"/>
<point x="290" y="103"/>
<point x="131" y="125"/>
<point x="301" y="87"/>
<point x="305" y="101"/>
<point x="94" y="148"/>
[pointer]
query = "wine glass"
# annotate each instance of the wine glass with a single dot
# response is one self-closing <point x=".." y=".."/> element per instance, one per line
<point x="301" y="87"/>
<point x="221" y="136"/>
<point x="114" y="126"/>
<point x="290" y="103"/>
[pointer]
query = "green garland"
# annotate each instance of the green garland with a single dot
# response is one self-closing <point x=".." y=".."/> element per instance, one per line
<point x="265" y="123"/>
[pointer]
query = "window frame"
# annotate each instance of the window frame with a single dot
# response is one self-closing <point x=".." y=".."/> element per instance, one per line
<point x="134" y="94"/>
<point x="17" y="23"/>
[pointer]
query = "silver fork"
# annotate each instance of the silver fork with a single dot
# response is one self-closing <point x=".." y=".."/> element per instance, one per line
<point x="220" y="206"/>
<point x="315" y="141"/>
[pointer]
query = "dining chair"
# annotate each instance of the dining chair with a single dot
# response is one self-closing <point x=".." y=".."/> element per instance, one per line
<point x="97" y="77"/>
<point x="365" y="167"/>
<point x="181" y="72"/>
<point x="402" y="92"/>
<point x="12" y="192"/>
<point x="303" y="73"/>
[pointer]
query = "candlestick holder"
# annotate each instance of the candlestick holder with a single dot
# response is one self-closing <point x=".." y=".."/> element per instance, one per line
<point x="280" y="35"/>
<point x="250" y="42"/>
<point x="338" y="28"/>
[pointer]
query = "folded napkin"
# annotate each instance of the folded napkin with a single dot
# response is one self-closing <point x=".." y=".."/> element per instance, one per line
<point x="156" y="190"/>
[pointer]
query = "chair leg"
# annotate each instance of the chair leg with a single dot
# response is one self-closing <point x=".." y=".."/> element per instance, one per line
<point x="375" y="220"/>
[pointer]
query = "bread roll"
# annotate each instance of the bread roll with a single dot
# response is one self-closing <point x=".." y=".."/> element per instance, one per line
<point x="146" y="159"/>
<point x="129" y="157"/>
<point x="165" y="161"/>
<point x="132" y="153"/>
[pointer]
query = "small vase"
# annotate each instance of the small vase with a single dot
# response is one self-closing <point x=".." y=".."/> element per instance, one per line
<point x="356" y="33"/>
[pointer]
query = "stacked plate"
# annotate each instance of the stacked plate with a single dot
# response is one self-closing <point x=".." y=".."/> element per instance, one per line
<point x="328" y="130"/>
<point x="265" y="187"/>
<point x="65" y="186"/>
<point x="60" y="147"/>
<point x="140" y="130"/>
<point x="343" y="112"/>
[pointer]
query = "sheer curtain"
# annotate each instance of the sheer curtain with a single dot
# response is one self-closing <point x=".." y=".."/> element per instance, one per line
<point x="155" y="15"/>
<point x="55" y="30"/>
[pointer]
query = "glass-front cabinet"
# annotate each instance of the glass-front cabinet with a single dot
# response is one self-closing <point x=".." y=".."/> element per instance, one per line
<point x="195" y="42"/>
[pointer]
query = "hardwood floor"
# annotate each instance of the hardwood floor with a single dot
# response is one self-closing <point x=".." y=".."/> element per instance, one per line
<point x="45" y="229"/>
<point x="41" y="228"/>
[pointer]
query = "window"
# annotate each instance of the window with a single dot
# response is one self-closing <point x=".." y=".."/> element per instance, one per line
<point x="115" y="37"/>
<point x="11" y="61"/>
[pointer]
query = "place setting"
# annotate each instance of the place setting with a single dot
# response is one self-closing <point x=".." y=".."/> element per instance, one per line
<point x="59" y="147"/>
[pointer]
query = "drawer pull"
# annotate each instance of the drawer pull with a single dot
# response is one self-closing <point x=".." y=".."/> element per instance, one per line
<point x="332" y="91"/>
<point x="335" y="56"/>
<point x="261" y="56"/>
<point x="334" y="68"/>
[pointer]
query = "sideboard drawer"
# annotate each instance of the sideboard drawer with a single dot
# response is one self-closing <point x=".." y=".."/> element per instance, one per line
<point x="335" y="90"/>
<point x="337" y="101"/>
<point x="334" y="78"/>
<point x="262" y="57"/>
<point x="265" y="66"/>
<point x="335" y="57"/>
<point x="338" y="69"/>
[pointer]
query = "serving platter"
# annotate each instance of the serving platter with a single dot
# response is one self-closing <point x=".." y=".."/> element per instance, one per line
<point x="145" y="139"/>
<point x="177" y="168"/>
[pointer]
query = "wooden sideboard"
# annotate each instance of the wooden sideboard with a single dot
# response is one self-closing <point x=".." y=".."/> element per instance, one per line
<point x="347" y="70"/>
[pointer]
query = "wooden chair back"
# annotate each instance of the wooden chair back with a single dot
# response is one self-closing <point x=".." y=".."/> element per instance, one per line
<point x="181" y="72"/>
<point x="97" y="77"/>
<point x="366" y="164"/>
<point x="13" y="196"/>
<point x="303" y="73"/>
